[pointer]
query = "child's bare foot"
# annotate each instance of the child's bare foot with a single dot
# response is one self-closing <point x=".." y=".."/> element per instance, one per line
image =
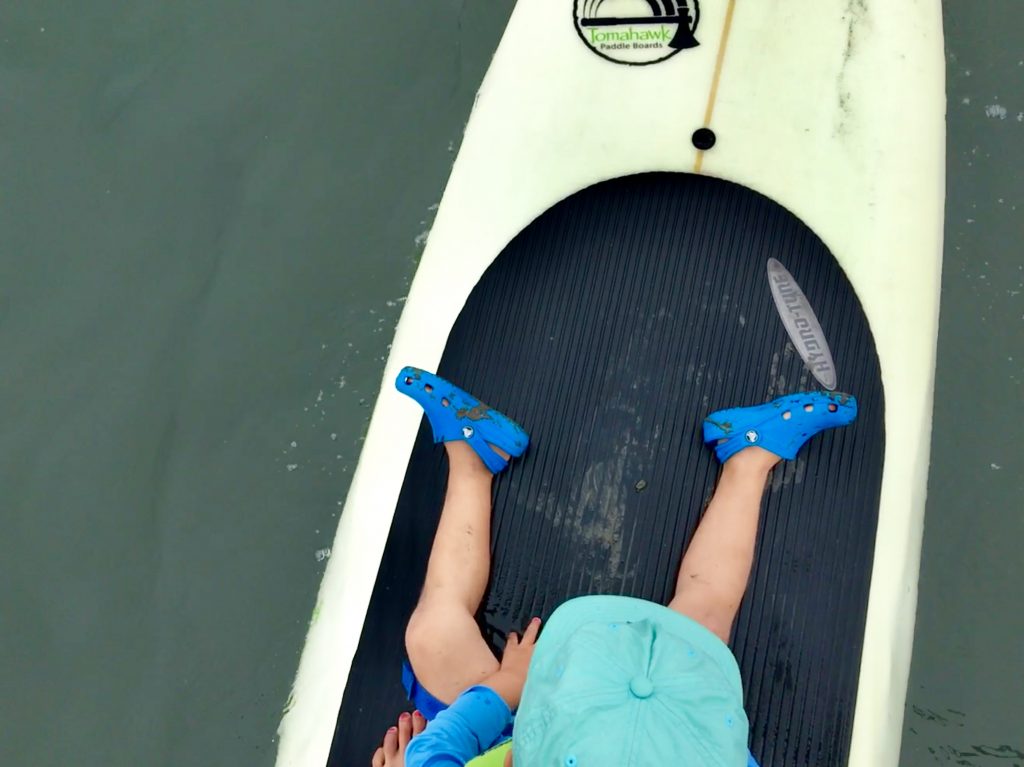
<point x="392" y="750"/>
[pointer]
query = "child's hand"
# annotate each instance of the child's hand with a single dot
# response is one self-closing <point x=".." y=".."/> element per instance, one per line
<point x="518" y="652"/>
<point x="508" y="680"/>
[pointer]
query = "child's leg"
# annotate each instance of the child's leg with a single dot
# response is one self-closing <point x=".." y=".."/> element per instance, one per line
<point x="444" y="644"/>
<point x="716" y="566"/>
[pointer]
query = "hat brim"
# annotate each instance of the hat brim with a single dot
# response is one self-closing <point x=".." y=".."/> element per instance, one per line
<point x="569" y="616"/>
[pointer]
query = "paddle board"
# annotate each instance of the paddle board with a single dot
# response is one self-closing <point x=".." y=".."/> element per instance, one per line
<point x="599" y="269"/>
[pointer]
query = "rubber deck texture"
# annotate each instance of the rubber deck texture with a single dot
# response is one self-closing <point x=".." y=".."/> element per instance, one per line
<point x="609" y="328"/>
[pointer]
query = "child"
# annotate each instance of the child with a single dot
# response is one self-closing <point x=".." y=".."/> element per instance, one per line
<point x="614" y="680"/>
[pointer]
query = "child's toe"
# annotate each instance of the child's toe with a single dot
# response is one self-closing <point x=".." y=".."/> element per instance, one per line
<point x="419" y="723"/>
<point x="404" y="731"/>
<point x="391" y="744"/>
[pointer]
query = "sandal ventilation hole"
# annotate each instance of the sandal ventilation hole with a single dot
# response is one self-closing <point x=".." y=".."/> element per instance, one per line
<point x="786" y="416"/>
<point x="808" y="408"/>
<point x="444" y="402"/>
<point x="428" y="388"/>
<point x="467" y="431"/>
<point x="832" y="408"/>
<point x="408" y="380"/>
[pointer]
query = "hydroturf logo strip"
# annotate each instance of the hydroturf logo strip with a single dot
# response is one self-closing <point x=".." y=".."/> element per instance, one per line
<point x="801" y="324"/>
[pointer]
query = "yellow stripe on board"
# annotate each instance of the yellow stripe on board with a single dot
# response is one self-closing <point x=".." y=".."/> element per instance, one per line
<point x="714" y="80"/>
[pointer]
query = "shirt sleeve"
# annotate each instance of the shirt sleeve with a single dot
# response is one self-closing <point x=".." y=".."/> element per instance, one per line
<point x="461" y="732"/>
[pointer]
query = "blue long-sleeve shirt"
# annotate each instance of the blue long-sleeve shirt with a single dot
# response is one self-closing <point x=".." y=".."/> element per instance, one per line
<point x="466" y="729"/>
<point x="462" y="731"/>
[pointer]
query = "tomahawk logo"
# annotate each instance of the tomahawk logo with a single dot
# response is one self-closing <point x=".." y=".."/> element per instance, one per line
<point x="637" y="31"/>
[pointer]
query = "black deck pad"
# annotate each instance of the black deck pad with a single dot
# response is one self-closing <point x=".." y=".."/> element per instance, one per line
<point x="609" y="328"/>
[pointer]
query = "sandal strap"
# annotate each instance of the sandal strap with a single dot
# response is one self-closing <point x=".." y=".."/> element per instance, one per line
<point x="492" y="460"/>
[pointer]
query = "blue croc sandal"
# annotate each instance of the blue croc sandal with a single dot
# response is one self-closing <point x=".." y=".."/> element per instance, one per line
<point x="455" y="415"/>
<point x="781" y="426"/>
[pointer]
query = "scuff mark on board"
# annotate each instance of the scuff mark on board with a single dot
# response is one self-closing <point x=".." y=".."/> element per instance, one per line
<point x="856" y="17"/>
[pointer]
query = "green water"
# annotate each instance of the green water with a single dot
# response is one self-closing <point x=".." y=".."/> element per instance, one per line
<point x="209" y="216"/>
<point x="965" y="705"/>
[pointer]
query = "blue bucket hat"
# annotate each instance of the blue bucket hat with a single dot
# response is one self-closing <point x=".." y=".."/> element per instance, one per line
<point x="625" y="682"/>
